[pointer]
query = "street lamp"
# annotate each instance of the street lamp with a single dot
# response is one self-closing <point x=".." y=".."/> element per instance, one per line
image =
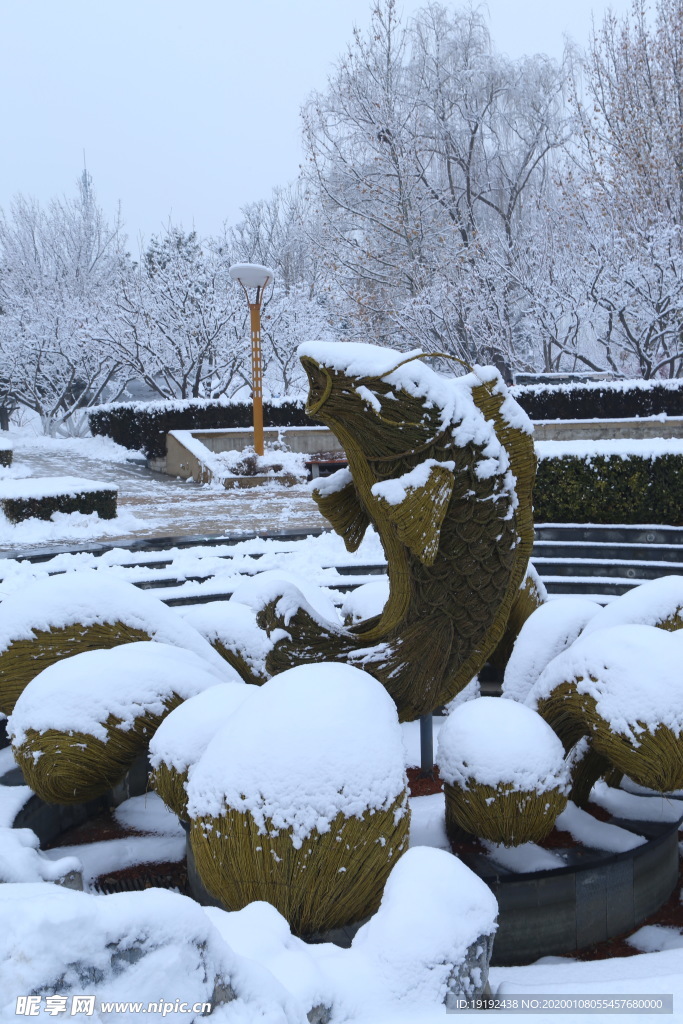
<point x="253" y="275"/>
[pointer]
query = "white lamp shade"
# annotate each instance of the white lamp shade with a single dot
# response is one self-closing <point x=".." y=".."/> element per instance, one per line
<point x="251" y="275"/>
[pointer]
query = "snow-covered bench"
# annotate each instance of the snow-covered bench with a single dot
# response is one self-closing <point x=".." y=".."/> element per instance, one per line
<point x="40" y="497"/>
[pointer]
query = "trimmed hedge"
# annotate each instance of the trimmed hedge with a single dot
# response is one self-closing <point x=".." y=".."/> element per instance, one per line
<point x="103" y="501"/>
<point x="619" y="399"/>
<point x="143" y="426"/>
<point x="6" y="456"/>
<point x="610" y="489"/>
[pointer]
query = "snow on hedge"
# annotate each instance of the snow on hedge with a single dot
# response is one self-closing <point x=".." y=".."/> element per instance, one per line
<point x="234" y="625"/>
<point x="184" y="735"/>
<point x="548" y="631"/>
<point x="140" y="946"/>
<point x="310" y="743"/>
<point x="51" y="486"/>
<point x="78" y="694"/>
<point x="648" y="604"/>
<point x="618" y="448"/>
<point x="500" y="742"/>
<point x="87" y="597"/>
<point x="291" y="591"/>
<point x="365" y="601"/>
<point x="633" y="672"/>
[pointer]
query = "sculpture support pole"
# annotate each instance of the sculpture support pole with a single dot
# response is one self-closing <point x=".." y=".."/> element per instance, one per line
<point x="426" y="744"/>
<point x="257" y="375"/>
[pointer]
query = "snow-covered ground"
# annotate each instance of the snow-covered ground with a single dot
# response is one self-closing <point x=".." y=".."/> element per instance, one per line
<point x="149" y="504"/>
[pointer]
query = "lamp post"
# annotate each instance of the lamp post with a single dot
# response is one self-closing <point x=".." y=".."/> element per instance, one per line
<point x="253" y="275"/>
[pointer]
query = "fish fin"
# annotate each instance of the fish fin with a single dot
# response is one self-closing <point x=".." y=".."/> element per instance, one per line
<point x="419" y="516"/>
<point x="344" y="512"/>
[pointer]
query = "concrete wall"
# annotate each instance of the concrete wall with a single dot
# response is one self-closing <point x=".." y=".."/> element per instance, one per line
<point x="298" y="439"/>
<point x="606" y="430"/>
<point x="182" y="462"/>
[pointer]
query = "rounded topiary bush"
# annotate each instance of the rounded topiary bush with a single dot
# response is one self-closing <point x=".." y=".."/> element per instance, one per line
<point x="655" y="603"/>
<point x="57" y="617"/>
<point x="301" y="799"/>
<point x="621" y="687"/>
<point x="504" y="771"/>
<point x="548" y="631"/>
<point x="184" y="735"/>
<point x="78" y="726"/>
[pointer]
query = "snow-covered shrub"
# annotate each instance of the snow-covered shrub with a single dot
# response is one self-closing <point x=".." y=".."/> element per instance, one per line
<point x="150" y="947"/>
<point x="619" y="399"/>
<point x="41" y="497"/>
<point x="654" y="603"/>
<point x="78" y="726"/>
<point x="6" y="454"/>
<point x="144" y="425"/>
<point x="365" y="602"/>
<point x="531" y="595"/>
<point x="62" y="615"/>
<point x="544" y="635"/>
<point x="183" y="737"/>
<point x="301" y="800"/>
<point x="232" y="630"/>
<point x="609" y="482"/>
<point x="621" y="688"/>
<point x="504" y="771"/>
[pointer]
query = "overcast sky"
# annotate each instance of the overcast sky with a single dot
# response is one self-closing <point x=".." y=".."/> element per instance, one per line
<point x="188" y="109"/>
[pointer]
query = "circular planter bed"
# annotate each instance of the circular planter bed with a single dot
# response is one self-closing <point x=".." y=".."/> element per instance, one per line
<point x="596" y="897"/>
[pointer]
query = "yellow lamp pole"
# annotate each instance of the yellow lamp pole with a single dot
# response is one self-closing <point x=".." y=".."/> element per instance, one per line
<point x="253" y="275"/>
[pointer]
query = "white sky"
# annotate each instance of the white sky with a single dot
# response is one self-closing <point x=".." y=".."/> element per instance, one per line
<point x="190" y="108"/>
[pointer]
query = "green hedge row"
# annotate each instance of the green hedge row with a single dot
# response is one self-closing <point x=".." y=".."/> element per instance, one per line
<point x="610" y="489"/>
<point x="619" y="399"/>
<point x="102" y="501"/>
<point x="143" y="426"/>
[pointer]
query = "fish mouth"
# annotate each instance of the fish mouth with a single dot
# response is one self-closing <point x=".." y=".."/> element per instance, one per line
<point x="320" y="385"/>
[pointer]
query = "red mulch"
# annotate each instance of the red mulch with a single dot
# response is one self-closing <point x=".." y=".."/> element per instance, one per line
<point x="103" y="826"/>
<point x="423" y="784"/>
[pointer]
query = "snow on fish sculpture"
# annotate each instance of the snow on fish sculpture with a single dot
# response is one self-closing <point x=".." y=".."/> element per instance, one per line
<point x="443" y="468"/>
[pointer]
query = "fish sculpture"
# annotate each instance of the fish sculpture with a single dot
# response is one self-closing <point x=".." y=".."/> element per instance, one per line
<point x="443" y="468"/>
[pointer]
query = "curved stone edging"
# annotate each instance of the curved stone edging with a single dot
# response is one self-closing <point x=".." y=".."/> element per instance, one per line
<point x="570" y="908"/>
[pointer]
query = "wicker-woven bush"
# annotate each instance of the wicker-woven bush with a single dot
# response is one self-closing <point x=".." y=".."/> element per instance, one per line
<point x="548" y="631"/>
<point x="530" y="596"/>
<point x="653" y="603"/>
<point x="57" y="617"/>
<point x="183" y="736"/>
<point x="334" y="878"/>
<point x="621" y="689"/>
<point x="79" y="726"/>
<point x="301" y="799"/>
<point x="504" y="770"/>
<point x="23" y="660"/>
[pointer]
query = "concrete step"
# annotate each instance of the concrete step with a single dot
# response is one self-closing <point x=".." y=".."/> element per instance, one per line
<point x="632" y="570"/>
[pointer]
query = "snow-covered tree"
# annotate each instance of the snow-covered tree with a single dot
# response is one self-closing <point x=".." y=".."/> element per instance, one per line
<point x="626" y="187"/>
<point x="179" y="320"/>
<point x="57" y="266"/>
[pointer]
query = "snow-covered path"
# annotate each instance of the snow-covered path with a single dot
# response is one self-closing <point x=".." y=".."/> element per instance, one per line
<point x="152" y="504"/>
